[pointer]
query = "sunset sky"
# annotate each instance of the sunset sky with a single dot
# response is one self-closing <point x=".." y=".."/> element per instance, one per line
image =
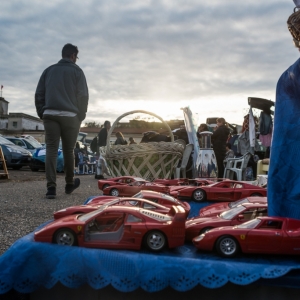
<point x="155" y="55"/>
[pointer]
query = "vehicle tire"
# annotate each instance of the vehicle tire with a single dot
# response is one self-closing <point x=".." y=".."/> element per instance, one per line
<point x="206" y="229"/>
<point x="114" y="192"/>
<point x="256" y="195"/>
<point x="105" y="186"/>
<point x="199" y="195"/>
<point x="34" y="169"/>
<point x="155" y="240"/>
<point x="65" y="236"/>
<point x="16" y="167"/>
<point x="227" y="246"/>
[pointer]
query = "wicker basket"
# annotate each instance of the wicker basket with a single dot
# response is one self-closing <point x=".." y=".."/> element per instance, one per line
<point x="145" y="160"/>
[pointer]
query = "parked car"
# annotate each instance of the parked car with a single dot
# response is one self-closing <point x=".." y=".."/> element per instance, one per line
<point x="116" y="227"/>
<point x="218" y="208"/>
<point x="231" y="217"/>
<point x="128" y="190"/>
<point x="268" y="235"/>
<point x="131" y="202"/>
<point x="156" y="197"/>
<point x="15" y="156"/>
<point x="26" y="143"/>
<point x="227" y="190"/>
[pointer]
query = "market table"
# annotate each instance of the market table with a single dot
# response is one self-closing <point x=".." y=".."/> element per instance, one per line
<point x="28" y="266"/>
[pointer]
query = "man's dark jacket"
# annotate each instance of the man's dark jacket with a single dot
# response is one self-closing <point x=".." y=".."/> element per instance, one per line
<point x="62" y="87"/>
<point x="102" y="137"/>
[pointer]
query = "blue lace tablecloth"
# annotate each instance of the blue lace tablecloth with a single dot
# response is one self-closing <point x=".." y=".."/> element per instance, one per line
<point x="28" y="265"/>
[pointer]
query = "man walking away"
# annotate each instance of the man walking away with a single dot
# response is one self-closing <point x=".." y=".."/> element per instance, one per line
<point x="61" y="100"/>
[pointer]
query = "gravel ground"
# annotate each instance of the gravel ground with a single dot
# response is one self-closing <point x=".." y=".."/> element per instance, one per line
<point x="23" y="206"/>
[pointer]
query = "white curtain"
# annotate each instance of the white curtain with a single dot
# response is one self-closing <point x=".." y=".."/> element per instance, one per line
<point x="252" y="135"/>
<point x="191" y="125"/>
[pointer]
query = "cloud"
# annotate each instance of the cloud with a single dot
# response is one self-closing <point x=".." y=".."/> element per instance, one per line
<point x="150" y="53"/>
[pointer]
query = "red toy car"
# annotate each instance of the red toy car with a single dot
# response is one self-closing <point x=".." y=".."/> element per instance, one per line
<point x="103" y="183"/>
<point x="269" y="235"/>
<point x="128" y="190"/>
<point x="159" y="198"/>
<point x="131" y="202"/>
<point x="217" y="208"/>
<point x="183" y="182"/>
<point x="233" y="216"/>
<point x="117" y="227"/>
<point x="227" y="190"/>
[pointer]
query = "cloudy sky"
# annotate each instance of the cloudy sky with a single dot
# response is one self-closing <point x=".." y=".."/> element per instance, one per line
<point x="157" y="55"/>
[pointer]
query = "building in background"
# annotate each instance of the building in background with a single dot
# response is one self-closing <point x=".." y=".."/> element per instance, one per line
<point x="16" y="124"/>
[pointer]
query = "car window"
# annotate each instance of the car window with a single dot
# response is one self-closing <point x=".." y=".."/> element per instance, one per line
<point x="4" y="141"/>
<point x="148" y="206"/>
<point x="236" y="203"/>
<point x="138" y="195"/>
<point x="271" y="224"/>
<point x="29" y="146"/>
<point x="34" y="144"/>
<point x="250" y="224"/>
<point x="238" y="186"/>
<point x="133" y="219"/>
<point x="229" y="214"/>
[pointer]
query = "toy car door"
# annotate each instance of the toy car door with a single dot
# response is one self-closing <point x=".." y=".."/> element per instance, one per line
<point x="223" y="191"/>
<point x="266" y="238"/>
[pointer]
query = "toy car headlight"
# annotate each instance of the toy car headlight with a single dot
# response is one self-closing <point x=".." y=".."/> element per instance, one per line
<point x="199" y="238"/>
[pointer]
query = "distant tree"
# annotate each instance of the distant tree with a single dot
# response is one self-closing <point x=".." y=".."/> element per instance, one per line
<point x="92" y="124"/>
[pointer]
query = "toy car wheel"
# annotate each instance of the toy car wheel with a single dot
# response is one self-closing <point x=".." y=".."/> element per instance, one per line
<point x="199" y="195"/>
<point x="34" y="169"/>
<point x="227" y="246"/>
<point x="105" y="186"/>
<point x="256" y="195"/>
<point x="65" y="237"/>
<point x="206" y="229"/>
<point x="114" y="192"/>
<point x="155" y="240"/>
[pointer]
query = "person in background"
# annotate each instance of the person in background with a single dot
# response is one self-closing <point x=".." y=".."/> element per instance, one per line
<point x="201" y="128"/>
<point x="61" y="101"/>
<point x="102" y="135"/>
<point x="229" y="152"/>
<point x="132" y="141"/>
<point x="219" y="139"/>
<point x="120" y="139"/>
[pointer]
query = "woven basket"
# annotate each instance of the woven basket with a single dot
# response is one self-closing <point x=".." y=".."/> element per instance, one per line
<point x="146" y="160"/>
<point x="293" y="24"/>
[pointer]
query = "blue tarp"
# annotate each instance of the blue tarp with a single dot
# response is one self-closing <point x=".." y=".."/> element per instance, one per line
<point x="28" y="265"/>
<point x="284" y="170"/>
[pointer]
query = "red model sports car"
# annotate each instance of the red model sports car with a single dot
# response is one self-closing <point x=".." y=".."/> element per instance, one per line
<point x="184" y="182"/>
<point x="233" y="216"/>
<point x="227" y="190"/>
<point x="117" y="227"/>
<point x="270" y="235"/>
<point x="217" y="208"/>
<point x="103" y="183"/>
<point x="131" y="202"/>
<point x="159" y="198"/>
<point x="128" y="190"/>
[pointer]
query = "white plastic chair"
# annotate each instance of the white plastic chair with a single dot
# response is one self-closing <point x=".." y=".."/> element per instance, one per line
<point x="185" y="158"/>
<point x="236" y="166"/>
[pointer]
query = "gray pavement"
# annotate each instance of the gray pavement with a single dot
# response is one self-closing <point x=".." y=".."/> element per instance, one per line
<point x="23" y="206"/>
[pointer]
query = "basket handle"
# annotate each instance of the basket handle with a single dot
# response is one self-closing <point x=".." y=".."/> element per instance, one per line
<point x="134" y="112"/>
